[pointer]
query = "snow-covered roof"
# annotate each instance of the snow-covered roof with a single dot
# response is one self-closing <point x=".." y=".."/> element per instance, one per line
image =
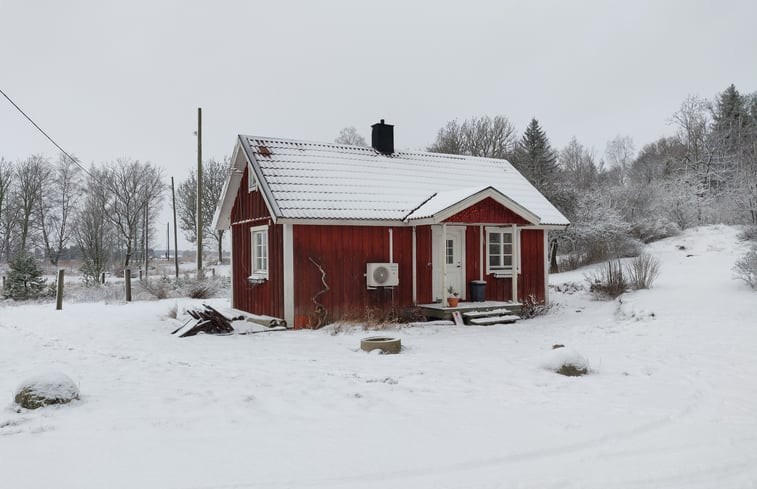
<point x="325" y="181"/>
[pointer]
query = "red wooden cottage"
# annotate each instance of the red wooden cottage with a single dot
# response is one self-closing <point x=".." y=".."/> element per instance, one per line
<point x="390" y="230"/>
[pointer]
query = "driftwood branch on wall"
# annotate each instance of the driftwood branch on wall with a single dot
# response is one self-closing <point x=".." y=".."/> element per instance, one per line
<point x="319" y="316"/>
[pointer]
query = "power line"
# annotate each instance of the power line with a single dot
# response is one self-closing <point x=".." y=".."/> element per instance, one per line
<point x="45" y="134"/>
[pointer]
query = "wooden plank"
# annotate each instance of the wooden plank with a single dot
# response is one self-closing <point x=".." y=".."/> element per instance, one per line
<point x="493" y="312"/>
<point x="494" y="320"/>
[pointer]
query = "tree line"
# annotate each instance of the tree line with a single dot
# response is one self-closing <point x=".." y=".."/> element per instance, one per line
<point x="104" y="215"/>
<point x="705" y="173"/>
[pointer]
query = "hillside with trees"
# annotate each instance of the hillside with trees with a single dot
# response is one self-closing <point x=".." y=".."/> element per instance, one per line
<point x="705" y="173"/>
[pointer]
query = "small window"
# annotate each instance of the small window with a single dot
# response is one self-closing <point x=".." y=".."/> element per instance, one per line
<point x="259" y="251"/>
<point x="450" y="252"/>
<point x="499" y="256"/>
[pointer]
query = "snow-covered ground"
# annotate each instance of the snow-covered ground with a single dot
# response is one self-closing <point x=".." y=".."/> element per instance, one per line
<point x="671" y="400"/>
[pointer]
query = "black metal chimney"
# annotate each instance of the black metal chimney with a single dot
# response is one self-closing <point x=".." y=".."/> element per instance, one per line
<point x="382" y="138"/>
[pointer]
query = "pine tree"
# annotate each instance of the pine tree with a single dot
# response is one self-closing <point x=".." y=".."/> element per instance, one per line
<point x="24" y="279"/>
<point x="536" y="160"/>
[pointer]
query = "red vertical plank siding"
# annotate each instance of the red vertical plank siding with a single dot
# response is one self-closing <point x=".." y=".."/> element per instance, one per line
<point x="531" y="280"/>
<point x="424" y="267"/>
<point x="473" y="254"/>
<point x="267" y="298"/>
<point x="342" y="252"/>
<point x="489" y="211"/>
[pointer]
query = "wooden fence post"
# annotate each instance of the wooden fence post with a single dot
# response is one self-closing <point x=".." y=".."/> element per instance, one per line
<point x="59" y="296"/>
<point x="127" y="284"/>
<point x="102" y="278"/>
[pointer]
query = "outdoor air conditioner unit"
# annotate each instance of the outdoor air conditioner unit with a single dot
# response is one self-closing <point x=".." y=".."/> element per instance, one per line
<point x="382" y="274"/>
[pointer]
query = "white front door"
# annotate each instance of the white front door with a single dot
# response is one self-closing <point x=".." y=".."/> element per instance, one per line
<point x="452" y="256"/>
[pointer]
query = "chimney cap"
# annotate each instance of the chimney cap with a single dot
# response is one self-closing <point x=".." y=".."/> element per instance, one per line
<point x="382" y="123"/>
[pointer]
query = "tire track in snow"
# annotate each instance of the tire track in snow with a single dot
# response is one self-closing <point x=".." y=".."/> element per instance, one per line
<point x="491" y="462"/>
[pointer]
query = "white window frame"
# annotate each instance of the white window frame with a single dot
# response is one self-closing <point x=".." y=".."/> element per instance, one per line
<point x="502" y="270"/>
<point x="259" y="273"/>
<point x="252" y="182"/>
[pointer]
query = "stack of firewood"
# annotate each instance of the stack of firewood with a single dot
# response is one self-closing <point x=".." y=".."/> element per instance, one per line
<point x="207" y="320"/>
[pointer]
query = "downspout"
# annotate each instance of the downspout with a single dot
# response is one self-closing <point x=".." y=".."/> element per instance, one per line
<point x="415" y="278"/>
<point x="391" y="246"/>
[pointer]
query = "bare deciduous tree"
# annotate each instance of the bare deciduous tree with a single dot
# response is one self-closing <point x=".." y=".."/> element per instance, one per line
<point x="55" y="210"/>
<point x="92" y="229"/>
<point x="479" y="136"/>
<point x="213" y="177"/>
<point x="578" y="166"/>
<point x="350" y="136"/>
<point x="620" y="153"/>
<point x="131" y="187"/>
<point x="31" y="175"/>
<point x="7" y="208"/>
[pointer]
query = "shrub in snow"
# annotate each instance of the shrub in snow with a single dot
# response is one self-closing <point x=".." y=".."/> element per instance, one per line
<point x="565" y="361"/>
<point x="746" y="268"/>
<point x="655" y="228"/>
<point x="158" y="288"/>
<point x="43" y="390"/>
<point x="24" y="279"/>
<point x="203" y="289"/>
<point x="199" y="289"/>
<point x="531" y="308"/>
<point x="642" y="271"/>
<point x="748" y="234"/>
<point x="609" y="281"/>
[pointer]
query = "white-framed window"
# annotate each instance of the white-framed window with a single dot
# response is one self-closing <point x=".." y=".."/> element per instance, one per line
<point x="259" y="235"/>
<point x="499" y="251"/>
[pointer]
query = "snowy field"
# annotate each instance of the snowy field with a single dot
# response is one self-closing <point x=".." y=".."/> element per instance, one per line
<point x="671" y="401"/>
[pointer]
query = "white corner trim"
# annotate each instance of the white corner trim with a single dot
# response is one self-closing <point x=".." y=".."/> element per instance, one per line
<point x="546" y="267"/>
<point x="288" y="245"/>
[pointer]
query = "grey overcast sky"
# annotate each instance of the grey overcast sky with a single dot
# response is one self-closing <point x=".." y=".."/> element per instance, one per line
<point x="111" y="79"/>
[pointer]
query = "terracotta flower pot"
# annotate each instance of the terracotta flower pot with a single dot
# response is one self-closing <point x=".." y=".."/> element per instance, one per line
<point x="452" y="301"/>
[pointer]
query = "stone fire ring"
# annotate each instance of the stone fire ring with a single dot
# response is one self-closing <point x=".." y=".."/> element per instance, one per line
<point x="383" y="343"/>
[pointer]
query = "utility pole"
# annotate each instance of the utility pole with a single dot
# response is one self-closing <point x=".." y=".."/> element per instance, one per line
<point x="168" y="241"/>
<point x="175" y="239"/>
<point x="199" y="193"/>
<point x="147" y="239"/>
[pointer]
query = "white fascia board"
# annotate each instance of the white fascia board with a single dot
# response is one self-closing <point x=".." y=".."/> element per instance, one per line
<point x="222" y="215"/>
<point x="498" y="197"/>
<point x="265" y="190"/>
<point x="343" y="222"/>
<point x="547" y="227"/>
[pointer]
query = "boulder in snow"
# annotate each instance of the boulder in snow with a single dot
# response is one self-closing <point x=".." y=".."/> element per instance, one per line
<point x="42" y="390"/>
<point x="566" y="361"/>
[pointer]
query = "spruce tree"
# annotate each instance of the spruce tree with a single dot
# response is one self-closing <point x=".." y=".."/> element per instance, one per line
<point x="536" y="160"/>
<point x="24" y="279"/>
<point x="732" y="122"/>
